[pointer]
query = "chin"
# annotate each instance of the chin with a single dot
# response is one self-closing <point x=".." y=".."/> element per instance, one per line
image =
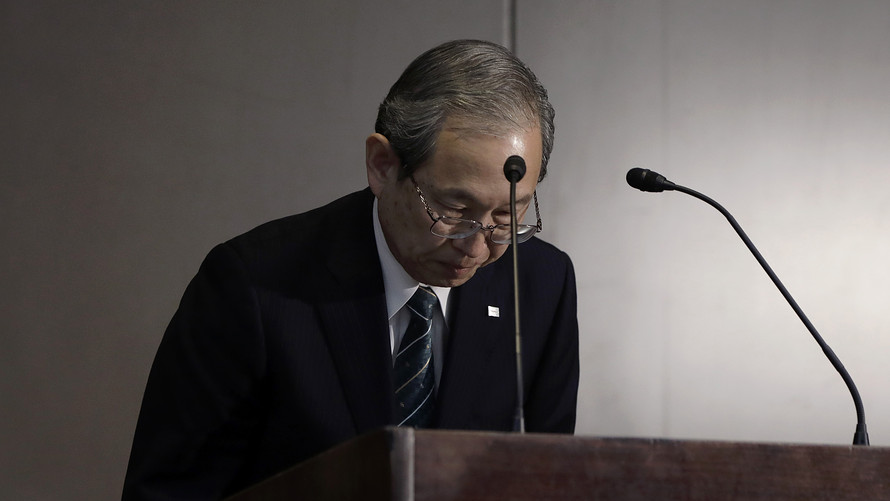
<point x="440" y="275"/>
<point x="453" y="283"/>
<point x="456" y="277"/>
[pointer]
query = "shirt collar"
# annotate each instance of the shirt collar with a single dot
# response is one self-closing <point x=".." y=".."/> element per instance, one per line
<point x="398" y="285"/>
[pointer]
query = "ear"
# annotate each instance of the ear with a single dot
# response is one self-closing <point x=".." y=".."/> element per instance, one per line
<point x="382" y="161"/>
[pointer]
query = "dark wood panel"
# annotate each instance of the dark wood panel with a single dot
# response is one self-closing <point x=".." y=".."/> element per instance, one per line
<point x="486" y="466"/>
<point x="427" y="465"/>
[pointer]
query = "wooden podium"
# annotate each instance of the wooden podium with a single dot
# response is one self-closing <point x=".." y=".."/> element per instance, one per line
<point x="403" y="464"/>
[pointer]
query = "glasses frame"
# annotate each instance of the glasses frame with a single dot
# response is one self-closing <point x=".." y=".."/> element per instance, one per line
<point x="520" y="237"/>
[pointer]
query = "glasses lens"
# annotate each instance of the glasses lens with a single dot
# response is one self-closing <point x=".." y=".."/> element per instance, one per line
<point x="453" y="228"/>
<point x="449" y="227"/>
<point x="501" y="234"/>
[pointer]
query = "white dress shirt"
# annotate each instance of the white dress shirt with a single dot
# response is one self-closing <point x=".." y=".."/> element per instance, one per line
<point x="399" y="287"/>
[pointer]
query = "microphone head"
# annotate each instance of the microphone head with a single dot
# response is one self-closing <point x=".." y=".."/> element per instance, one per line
<point x="514" y="168"/>
<point x="647" y="180"/>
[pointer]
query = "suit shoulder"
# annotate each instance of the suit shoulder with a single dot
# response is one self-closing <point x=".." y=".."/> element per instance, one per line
<point x="308" y="232"/>
<point x="540" y="262"/>
<point x="541" y="252"/>
<point x="309" y="225"/>
<point x="295" y="245"/>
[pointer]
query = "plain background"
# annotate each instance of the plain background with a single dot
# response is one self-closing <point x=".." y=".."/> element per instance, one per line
<point x="136" y="135"/>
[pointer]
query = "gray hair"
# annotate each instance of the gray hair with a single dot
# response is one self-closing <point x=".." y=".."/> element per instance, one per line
<point x="482" y="84"/>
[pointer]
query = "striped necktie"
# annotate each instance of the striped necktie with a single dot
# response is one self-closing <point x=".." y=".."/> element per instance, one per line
<point x="414" y="374"/>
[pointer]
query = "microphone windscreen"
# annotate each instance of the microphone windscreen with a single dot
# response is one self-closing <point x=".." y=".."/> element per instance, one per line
<point x="514" y="168"/>
<point x="646" y="180"/>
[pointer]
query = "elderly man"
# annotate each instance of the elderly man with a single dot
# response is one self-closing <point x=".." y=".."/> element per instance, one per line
<point x="387" y="307"/>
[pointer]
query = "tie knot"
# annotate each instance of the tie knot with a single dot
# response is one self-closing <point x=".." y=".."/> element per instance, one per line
<point x="423" y="301"/>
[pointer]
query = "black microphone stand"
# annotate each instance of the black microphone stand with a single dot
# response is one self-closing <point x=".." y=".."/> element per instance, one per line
<point x="514" y="169"/>
<point x="646" y="180"/>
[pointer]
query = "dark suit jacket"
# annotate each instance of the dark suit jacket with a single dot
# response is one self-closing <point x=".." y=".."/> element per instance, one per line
<point x="280" y="349"/>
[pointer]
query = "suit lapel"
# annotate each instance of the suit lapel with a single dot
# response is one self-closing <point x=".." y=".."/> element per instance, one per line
<point x="357" y="336"/>
<point x="474" y="335"/>
<point x="353" y="315"/>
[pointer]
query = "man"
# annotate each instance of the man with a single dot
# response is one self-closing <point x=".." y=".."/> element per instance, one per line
<point x="285" y="341"/>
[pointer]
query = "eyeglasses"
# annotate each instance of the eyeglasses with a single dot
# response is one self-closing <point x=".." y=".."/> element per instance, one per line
<point x="455" y="228"/>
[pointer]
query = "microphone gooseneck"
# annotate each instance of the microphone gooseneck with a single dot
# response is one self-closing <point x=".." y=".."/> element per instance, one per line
<point x="514" y="170"/>
<point x="647" y="180"/>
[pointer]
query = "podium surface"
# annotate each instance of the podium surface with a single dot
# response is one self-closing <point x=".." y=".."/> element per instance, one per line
<point x="403" y="464"/>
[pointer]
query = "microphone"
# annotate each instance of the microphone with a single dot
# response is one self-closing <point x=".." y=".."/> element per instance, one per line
<point x="647" y="180"/>
<point x="514" y="169"/>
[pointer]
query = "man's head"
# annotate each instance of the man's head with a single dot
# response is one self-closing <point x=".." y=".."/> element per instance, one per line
<point x="445" y="129"/>
<point x="480" y="82"/>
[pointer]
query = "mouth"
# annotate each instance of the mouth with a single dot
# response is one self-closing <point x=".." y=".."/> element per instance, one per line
<point x="458" y="270"/>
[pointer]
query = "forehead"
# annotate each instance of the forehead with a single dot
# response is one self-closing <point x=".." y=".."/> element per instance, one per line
<point x="465" y="154"/>
<point x="467" y="167"/>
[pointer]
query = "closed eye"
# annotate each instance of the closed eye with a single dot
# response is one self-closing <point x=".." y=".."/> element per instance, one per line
<point x="501" y="217"/>
<point x="456" y="212"/>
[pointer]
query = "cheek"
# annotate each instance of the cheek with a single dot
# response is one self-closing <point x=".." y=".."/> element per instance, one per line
<point x="495" y="252"/>
<point x="417" y="233"/>
<point x="408" y="225"/>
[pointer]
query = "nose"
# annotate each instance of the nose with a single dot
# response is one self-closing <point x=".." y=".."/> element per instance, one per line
<point x="474" y="246"/>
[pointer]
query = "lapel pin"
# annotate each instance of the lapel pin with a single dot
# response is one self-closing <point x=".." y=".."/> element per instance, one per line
<point x="494" y="311"/>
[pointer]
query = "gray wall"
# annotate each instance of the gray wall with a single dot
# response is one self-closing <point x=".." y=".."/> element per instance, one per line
<point x="137" y="135"/>
<point x="779" y="110"/>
